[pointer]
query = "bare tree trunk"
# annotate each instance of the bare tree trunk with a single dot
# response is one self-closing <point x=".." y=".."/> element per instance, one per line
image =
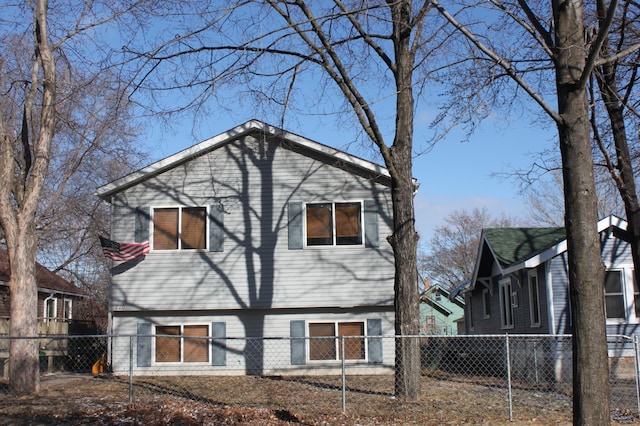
<point x="404" y="239"/>
<point x="622" y="173"/>
<point x="586" y="270"/>
<point x="20" y="190"/>
<point x="23" y="360"/>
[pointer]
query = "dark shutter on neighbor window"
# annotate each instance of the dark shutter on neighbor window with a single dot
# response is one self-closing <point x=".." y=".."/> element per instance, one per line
<point x="143" y="217"/>
<point x="143" y="345"/>
<point x="216" y="227"/>
<point x="374" y="328"/>
<point x="372" y="239"/>
<point x="298" y="344"/>
<point x="218" y="343"/>
<point x="295" y="225"/>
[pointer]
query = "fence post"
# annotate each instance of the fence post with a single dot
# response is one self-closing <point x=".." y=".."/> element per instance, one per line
<point x="344" y="378"/>
<point x="509" y="376"/>
<point x="130" y="369"/>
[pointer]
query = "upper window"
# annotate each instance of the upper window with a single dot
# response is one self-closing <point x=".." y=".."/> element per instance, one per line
<point x="614" y="295"/>
<point x="179" y="228"/>
<point x="182" y="343"/>
<point x="334" y="224"/>
<point x="534" y="297"/>
<point x="506" y="304"/>
<point x="326" y="346"/>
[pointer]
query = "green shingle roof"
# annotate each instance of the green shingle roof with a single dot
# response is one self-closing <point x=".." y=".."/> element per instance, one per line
<point x="511" y="245"/>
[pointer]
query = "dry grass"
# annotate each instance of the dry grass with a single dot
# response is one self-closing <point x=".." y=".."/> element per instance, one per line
<point x="206" y="400"/>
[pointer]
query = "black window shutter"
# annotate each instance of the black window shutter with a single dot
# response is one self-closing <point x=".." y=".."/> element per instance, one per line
<point x="371" y="237"/>
<point x="143" y="217"/>
<point x="296" y="241"/>
<point x="374" y="328"/>
<point x="143" y="346"/>
<point x="298" y="344"/>
<point x="218" y="343"/>
<point x="216" y="227"/>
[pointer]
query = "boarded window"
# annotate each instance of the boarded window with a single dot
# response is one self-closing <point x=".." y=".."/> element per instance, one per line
<point x="168" y="347"/>
<point x="196" y="349"/>
<point x="319" y="225"/>
<point x="183" y="228"/>
<point x="190" y="343"/>
<point x="322" y="348"/>
<point x="348" y="227"/>
<point x="334" y="224"/>
<point x="194" y="228"/>
<point x="165" y="229"/>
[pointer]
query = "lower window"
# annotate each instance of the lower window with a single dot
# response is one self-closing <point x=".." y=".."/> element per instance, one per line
<point x="326" y="346"/>
<point x="182" y="343"/>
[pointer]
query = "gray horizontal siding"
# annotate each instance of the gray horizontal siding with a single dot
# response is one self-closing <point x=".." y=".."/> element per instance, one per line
<point x="256" y="269"/>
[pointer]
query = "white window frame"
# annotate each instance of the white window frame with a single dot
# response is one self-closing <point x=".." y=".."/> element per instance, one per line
<point x="181" y="337"/>
<point x="45" y="313"/>
<point x="534" y="305"/>
<point x="180" y="208"/>
<point x="506" y="304"/>
<point x="336" y="338"/>
<point x="628" y="295"/>
<point x="333" y="224"/>
<point x="486" y="302"/>
<point x="68" y="302"/>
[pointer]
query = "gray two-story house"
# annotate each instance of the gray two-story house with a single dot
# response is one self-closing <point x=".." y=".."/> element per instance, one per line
<point x="255" y="233"/>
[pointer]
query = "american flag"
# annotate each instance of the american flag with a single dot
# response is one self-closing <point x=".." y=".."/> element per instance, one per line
<point x="121" y="252"/>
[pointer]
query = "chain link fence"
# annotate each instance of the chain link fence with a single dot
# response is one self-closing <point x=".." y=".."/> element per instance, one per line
<point x="521" y="376"/>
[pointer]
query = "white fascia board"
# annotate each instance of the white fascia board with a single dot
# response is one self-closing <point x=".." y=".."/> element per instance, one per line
<point x="474" y="276"/>
<point x="611" y="221"/>
<point x="538" y="259"/>
<point x="211" y="143"/>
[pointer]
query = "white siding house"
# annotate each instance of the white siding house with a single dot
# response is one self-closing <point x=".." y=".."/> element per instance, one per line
<point x="255" y="232"/>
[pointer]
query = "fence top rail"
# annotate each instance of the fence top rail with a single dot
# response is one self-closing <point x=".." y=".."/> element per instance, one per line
<point x="385" y="336"/>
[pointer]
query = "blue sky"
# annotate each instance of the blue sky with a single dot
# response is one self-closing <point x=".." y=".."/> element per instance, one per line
<point x="453" y="175"/>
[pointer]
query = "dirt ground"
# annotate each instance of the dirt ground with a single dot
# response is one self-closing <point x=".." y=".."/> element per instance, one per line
<point x="84" y="400"/>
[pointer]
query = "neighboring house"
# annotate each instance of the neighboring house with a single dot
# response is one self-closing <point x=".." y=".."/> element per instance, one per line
<point x="56" y="298"/>
<point x="520" y="283"/>
<point x="256" y="232"/>
<point x="440" y="311"/>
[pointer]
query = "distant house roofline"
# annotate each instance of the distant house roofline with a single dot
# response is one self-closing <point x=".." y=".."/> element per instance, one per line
<point x="105" y="191"/>
<point x="47" y="281"/>
<point x="541" y="250"/>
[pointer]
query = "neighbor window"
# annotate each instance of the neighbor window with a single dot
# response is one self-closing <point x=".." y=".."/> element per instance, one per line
<point x="50" y="308"/>
<point x="506" y="306"/>
<point x="326" y="346"/>
<point x="184" y="347"/>
<point x="179" y="228"/>
<point x="67" y="305"/>
<point x="486" y="303"/>
<point x="334" y="224"/>
<point x="534" y="297"/>
<point x="614" y="295"/>
<point x="636" y="295"/>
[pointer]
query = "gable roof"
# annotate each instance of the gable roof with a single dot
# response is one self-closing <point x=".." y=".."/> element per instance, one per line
<point x="47" y="281"/>
<point x="519" y="248"/>
<point x="213" y="143"/>
<point x="510" y="245"/>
